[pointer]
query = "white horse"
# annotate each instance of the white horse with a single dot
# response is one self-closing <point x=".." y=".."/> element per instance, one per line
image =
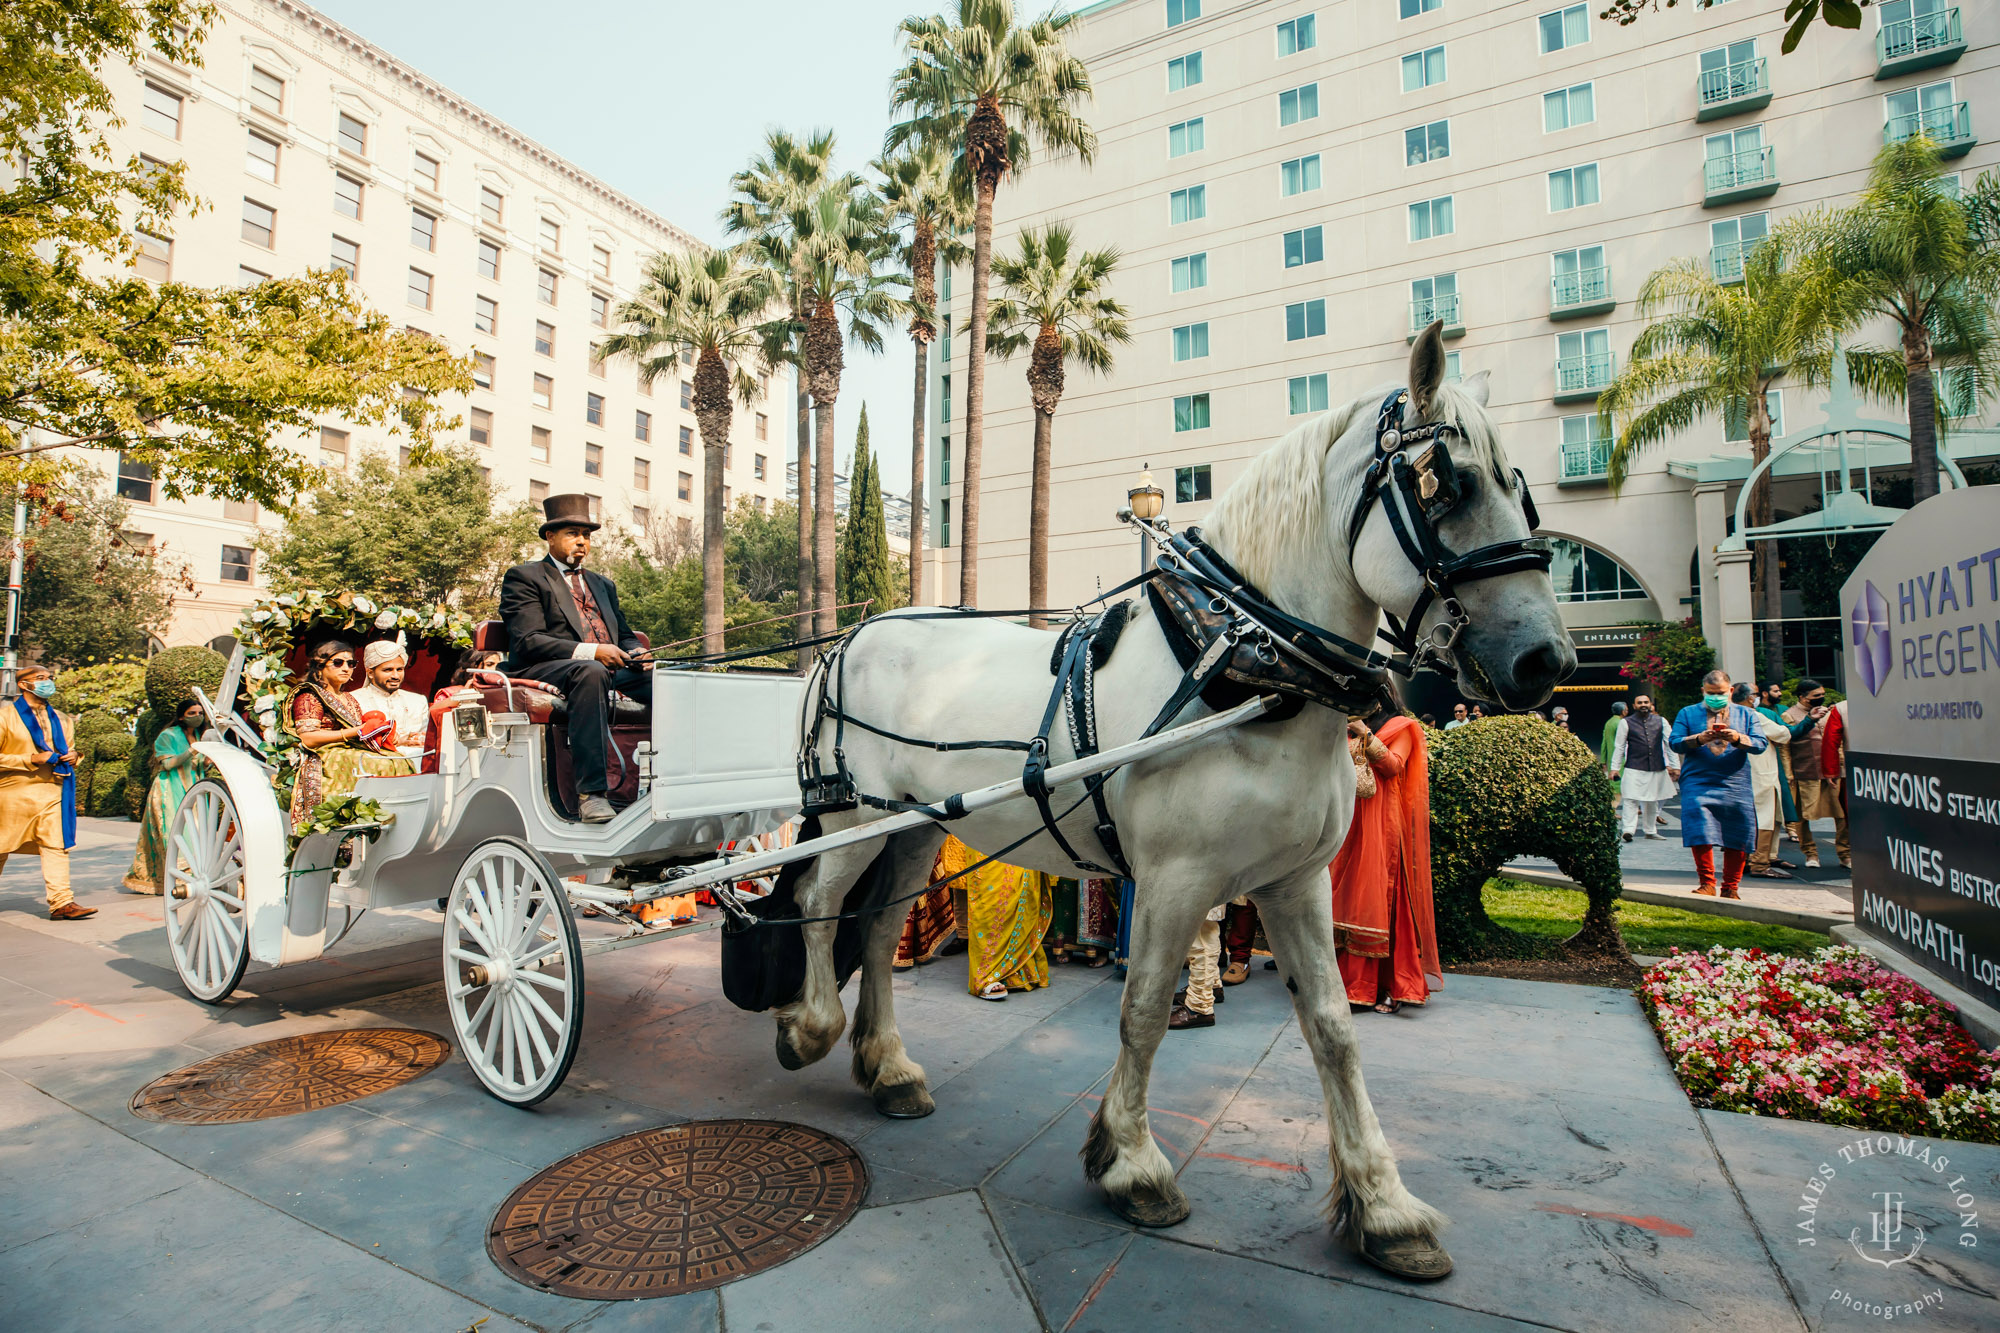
<point x="1260" y="809"/>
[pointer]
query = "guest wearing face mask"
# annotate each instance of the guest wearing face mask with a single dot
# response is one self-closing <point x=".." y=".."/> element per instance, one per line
<point x="1645" y="768"/>
<point x="1767" y="784"/>
<point x="1810" y="788"/>
<point x="1715" y="739"/>
<point x="38" y="788"/>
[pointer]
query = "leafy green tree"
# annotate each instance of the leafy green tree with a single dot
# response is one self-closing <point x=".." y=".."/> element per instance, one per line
<point x="662" y="588"/>
<point x="115" y="689"/>
<point x="1055" y="302"/>
<point x="763" y="552"/>
<point x="984" y="89"/>
<point x="422" y="533"/>
<point x="87" y="595"/>
<point x="707" y="305"/>
<point x="866" y="572"/>
<point x="198" y="383"/>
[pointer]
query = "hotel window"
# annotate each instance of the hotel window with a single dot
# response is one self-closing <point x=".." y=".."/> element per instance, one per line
<point x="482" y="370"/>
<point x="1297" y="104"/>
<point x="683" y="486"/>
<point x="545" y="286"/>
<point x="419" y="291"/>
<point x="346" y="195"/>
<point x="1585" y="574"/>
<point x="1409" y="9"/>
<point x="332" y="448"/>
<point x="545" y="338"/>
<point x="593" y="408"/>
<point x="1572" y="187"/>
<point x="485" y="314"/>
<point x="1433" y="298"/>
<point x="1191" y="484"/>
<point x="161" y="111"/>
<point x="1296" y="35"/>
<point x="1184" y="71"/>
<point x="544" y="394"/>
<point x="491" y="204"/>
<point x="489" y="258"/>
<point x="1298" y="175"/>
<point x="1305" y="393"/>
<point x="1579" y="276"/>
<point x="1427" y="143"/>
<point x="1566" y="108"/>
<point x="1191" y="412"/>
<point x="642" y="475"/>
<point x="1186" y="137"/>
<point x="600" y="310"/>
<point x="1187" y="205"/>
<point x="763" y="426"/>
<point x="645" y="384"/>
<point x="250" y="277"/>
<point x="728" y="455"/>
<point x="352" y="136"/>
<point x="135" y="481"/>
<point x="1421" y="69"/>
<point x="1181" y="11"/>
<point x="1736" y="421"/>
<point x="538" y="491"/>
<point x="1933" y="108"/>
<point x="260" y="222"/>
<point x="642" y="517"/>
<point x="1305" y="319"/>
<point x="260" y="157"/>
<point x="539" y="441"/>
<point x="1565" y="28"/>
<point x="236" y="564"/>
<point x="347" y="256"/>
<point x="424" y="168"/>
<point x="1305" y="246"/>
<point x="1731" y="239"/>
<point x="240" y="511"/>
<point x="600" y="262"/>
<point x="944" y="522"/>
<point x="685" y="440"/>
<point x="551" y="236"/>
<point x="1191" y="341"/>
<point x="687" y="396"/>
<point x="154" y="257"/>
<point x="759" y="465"/>
<point x="593" y="460"/>
<point x="482" y="426"/>
<point x="944" y="405"/>
<point x="423" y="229"/>
<point x="642" y="425"/>
<point x="1451" y="371"/>
<point x="1431" y="218"/>
<point x="267" y="90"/>
<point x="1190" y="272"/>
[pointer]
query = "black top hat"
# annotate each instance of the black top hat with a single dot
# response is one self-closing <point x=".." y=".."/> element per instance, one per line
<point x="568" y="511"/>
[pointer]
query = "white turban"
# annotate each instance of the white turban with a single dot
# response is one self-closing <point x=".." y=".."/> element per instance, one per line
<point x="383" y="650"/>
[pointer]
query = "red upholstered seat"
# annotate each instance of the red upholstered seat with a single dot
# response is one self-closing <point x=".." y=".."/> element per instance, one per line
<point x="491" y="636"/>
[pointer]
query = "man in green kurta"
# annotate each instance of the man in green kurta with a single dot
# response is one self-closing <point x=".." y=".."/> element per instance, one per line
<point x="1608" y="747"/>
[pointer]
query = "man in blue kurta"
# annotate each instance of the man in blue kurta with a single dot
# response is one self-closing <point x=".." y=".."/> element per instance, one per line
<point x="1715" y="739"/>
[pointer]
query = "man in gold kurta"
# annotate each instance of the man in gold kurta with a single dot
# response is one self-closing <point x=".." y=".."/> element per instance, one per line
<point x="31" y="794"/>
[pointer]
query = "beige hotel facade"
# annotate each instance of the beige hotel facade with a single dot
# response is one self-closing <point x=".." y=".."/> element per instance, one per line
<point x="1295" y="187"/>
<point x="313" y="148"/>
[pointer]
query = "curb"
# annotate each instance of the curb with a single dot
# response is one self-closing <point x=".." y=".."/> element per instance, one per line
<point x="1981" y="1019"/>
<point x="1818" y="922"/>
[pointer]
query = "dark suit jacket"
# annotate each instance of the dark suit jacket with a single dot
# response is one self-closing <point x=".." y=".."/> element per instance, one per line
<point x="543" y="624"/>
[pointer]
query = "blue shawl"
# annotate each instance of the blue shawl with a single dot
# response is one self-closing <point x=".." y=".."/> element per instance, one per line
<point x="58" y="745"/>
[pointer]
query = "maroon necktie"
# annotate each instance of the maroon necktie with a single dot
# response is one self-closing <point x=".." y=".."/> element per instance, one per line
<point x="594" y="628"/>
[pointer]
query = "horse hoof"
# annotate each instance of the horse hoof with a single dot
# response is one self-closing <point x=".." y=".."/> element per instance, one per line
<point x="1417" y="1258"/>
<point x="1150" y="1206"/>
<point x="788" y="1057"/>
<point x="905" y="1101"/>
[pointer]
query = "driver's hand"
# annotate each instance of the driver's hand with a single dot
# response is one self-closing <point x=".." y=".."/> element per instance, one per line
<point x="612" y="655"/>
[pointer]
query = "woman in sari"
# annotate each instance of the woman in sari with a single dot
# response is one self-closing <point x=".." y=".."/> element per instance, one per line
<point x="175" y="769"/>
<point x="1084" y="928"/>
<point x="1384" y="929"/>
<point x="336" y="750"/>
<point x="1005" y="912"/>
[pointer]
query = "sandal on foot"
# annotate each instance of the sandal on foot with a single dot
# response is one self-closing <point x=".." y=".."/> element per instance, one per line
<point x="993" y="990"/>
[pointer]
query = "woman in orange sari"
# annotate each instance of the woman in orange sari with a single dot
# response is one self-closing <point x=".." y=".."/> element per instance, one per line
<point x="1384" y="929"/>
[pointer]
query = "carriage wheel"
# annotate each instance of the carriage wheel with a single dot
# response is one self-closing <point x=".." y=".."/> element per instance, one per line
<point x="204" y="893"/>
<point x="513" y="971"/>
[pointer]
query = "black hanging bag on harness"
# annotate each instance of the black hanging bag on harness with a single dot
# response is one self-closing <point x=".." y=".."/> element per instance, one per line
<point x="764" y="965"/>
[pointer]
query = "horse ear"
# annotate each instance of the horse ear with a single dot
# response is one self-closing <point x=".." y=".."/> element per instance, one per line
<point x="1479" y="387"/>
<point x="1426" y="367"/>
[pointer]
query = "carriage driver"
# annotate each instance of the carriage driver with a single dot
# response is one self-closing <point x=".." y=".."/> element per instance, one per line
<point x="564" y="627"/>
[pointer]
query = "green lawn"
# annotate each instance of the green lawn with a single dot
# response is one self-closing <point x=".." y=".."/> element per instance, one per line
<point x="1647" y="928"/>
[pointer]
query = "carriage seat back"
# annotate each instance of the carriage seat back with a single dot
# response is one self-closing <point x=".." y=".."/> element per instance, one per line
<point x="491" y="636"/>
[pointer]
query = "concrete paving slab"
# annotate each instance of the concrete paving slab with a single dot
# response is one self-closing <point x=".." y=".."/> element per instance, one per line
<point x="102" y="1170"/>
<point x="696" y="1312"/>
<point x="1063" y="1257"/>
<point x="71" y="1026"/>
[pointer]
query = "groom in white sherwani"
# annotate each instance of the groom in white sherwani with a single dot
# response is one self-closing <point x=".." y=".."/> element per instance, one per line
<point x="381" y="691"/>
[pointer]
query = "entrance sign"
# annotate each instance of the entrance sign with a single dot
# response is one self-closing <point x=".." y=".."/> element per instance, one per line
<point x="1922" y="615"/>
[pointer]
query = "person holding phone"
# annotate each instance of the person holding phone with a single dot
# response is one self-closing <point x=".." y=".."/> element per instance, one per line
<point x="338" y="748"/>
<point x="1715" y="739"/>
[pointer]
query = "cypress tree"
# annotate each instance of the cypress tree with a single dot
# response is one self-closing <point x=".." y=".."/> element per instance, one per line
<point x="865" y="569"/>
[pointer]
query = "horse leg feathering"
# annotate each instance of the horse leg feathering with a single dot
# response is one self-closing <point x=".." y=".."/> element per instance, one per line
<point x="881" y="1066"/>
<point x="809" y="1026"/>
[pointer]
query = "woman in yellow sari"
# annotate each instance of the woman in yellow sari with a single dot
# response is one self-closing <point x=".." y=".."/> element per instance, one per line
<point x="337" y="749"/>
<point x="1004" y="912"/>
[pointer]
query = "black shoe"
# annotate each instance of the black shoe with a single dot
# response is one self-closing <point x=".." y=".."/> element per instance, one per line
<point x="1270" y="964"/>
<point x="1628" y="837"/>
<point x="1183" y="1018"/>
<point x="1180" y="996"/>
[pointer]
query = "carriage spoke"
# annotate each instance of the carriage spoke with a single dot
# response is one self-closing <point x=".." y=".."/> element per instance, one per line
<point x="467" y="956"/>
<point x="226" y="926"/>
<point x="533" y="926"/>
<point x="503" y="1016"/>
<point x="534" y="956"/>
<point x="185" y="917"/>
<point x="488" y="1010"/>
<point x="560" y="985"/>
<point x="541" y="1006"/>
<point x="531" y="1025"/>
<point x="523" y="1021"/>
<point x="473" y="929"/>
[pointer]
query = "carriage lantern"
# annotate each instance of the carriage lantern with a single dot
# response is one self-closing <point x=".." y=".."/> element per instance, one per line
<point x="470" y="721"/>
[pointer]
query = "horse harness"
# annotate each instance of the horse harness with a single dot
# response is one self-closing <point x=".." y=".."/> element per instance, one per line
<point x="1232" y="642"/>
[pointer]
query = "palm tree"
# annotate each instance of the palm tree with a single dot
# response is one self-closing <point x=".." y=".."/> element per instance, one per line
<point x="980" y="87"/>
<point x="707" y="304"/>
<point x="916" y="189"/>
<point x="1909" y="252"/>
<point x="1055" y="302"/>
<point x="1715" y="351"/>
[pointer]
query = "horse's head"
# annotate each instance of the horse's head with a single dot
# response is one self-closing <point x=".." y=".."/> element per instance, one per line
<point x="1453" y="505"/>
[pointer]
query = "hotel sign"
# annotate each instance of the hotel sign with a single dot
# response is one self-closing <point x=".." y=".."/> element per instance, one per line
<point x="1605" y="636"/>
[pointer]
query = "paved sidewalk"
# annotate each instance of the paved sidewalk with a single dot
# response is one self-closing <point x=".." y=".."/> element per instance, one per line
<point x="1586" y="1193"/>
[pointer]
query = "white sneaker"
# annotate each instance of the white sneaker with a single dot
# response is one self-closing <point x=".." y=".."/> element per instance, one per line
<point x="1657" y="837"/>
<point x="1812" y="862"/>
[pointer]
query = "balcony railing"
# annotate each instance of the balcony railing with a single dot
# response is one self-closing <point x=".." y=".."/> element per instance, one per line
<point x="1733" y="89"/>
<point x="1725" y="261"/>
<point x="1583" y="376"/>
<point x="1584" y="292"/>
<point x="1750" y="174"/>
<point x="1585" y="460"/>
<point x="1918" y="43"/>
<point x="1426" y="309"/>
<point x="1949" y="127"/>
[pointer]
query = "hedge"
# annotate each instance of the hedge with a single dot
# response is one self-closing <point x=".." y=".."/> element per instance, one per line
<point x="1516" y="786"/>
<point x="115" y="687"/>
<point x="139" y="773"/>
<point x="101" y="772"/>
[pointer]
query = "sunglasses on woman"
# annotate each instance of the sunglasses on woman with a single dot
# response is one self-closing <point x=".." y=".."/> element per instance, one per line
<point x="340" y="661"/>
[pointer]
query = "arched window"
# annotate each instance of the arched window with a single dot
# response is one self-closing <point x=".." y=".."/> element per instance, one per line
<point x="1585" y="574"/>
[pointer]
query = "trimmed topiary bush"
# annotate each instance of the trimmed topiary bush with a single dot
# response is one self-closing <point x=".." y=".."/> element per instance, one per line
<point x="102" y="758"/>
<point x="99" y="722"/>
<point x="1517" y="786"/>
<point x="172" y="675"/>
<point x="139" y="772"/>
<point x="118" y="688"/>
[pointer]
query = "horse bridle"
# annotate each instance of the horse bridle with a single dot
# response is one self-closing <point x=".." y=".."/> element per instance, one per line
<point x="1416" y="493"/>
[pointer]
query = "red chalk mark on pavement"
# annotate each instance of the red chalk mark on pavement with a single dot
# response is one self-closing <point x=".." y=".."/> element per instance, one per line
<point x="97" y="1013"/>
<point x="1659" y="1226"/>
<point x="1091" y="1295"/>
<point x="1257" y="1161"/>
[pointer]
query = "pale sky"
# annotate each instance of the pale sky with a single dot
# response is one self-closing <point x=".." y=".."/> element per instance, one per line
<point x="665" y="100"/>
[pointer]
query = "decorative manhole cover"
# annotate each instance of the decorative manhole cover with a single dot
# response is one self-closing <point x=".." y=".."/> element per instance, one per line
<point x="290" y="1076"/>
<point x="678" y="1209"/>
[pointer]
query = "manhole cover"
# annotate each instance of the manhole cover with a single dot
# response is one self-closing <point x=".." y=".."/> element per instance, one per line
<point x="291" y="1075"/>
<point x="678" y="1209"/>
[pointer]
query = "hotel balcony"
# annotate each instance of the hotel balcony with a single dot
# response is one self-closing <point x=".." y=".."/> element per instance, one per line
<point x="1585" y="462"/>
<point x="1584" y="292"/>
<point x="1437" y="307"/>
<point x="1583" y="377"/>
<point x="1725" y="261"/>
<point x="1747" y="175"/>
<point x="1950" y="128"/>
<point x="1918" y="43"/>
<point x="1733" y="89"/>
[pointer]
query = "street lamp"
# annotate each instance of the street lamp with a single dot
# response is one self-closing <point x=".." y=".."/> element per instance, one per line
<point x="1145" y="503"/>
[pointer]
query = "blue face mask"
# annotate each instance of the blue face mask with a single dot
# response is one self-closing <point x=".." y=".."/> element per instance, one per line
<point x="1715" y="703"/>
<point x="43" y="689"/>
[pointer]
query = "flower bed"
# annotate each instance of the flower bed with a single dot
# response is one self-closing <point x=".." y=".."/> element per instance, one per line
<point x="1835" y="1038"/>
